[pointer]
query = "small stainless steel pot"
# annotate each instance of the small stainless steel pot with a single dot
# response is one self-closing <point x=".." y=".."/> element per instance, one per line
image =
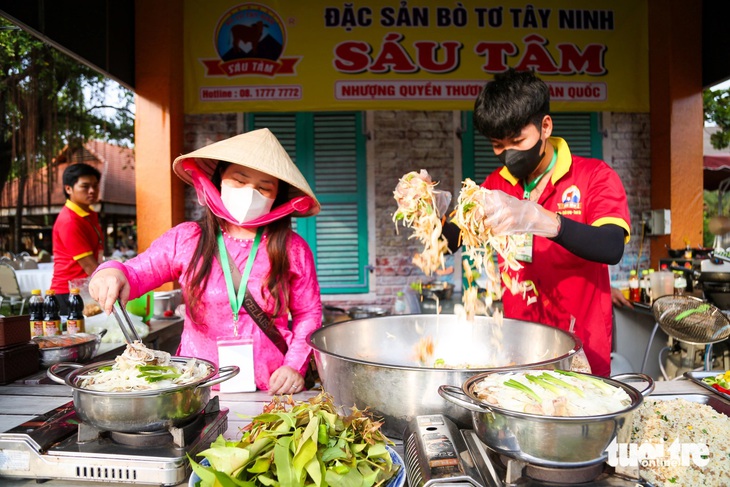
<point x="548" y="441"/>
<point x="140" y="411"/>
<point x="78" y="352"/>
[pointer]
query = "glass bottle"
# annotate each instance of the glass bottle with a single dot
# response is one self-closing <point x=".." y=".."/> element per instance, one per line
<point x="51" y="314"/>
<point x="75" y="321"/>
<point x="35" y="305"/>
<point x="634" y="291"/>
<point x="400" y="304"/>
<point x="643" y="286"/>
<point x="680" y="284"/>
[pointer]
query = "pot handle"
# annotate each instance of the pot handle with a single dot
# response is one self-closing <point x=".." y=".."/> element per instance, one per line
<point x="456" y="395"/>
<point x="642" y="377"/>
<point x="224" y="373"/>
<point x="51" y="372"/>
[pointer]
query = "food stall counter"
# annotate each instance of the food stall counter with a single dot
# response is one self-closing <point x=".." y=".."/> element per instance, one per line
<point x="19" y="403"/>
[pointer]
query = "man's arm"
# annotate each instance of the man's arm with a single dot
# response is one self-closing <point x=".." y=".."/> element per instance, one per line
<point x="88" y="264"/>
<point x="604" y="244"/>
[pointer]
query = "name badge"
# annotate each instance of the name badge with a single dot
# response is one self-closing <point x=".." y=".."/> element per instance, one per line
<point x="523" y="242"/>
<point x="237" y="351"/>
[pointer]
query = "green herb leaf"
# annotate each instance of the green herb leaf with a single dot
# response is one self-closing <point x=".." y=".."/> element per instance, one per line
<point x="297" y="444"/>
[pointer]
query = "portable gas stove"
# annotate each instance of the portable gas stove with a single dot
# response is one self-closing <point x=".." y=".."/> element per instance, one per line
<point x="437" y="453"/>
<point x="56" y="445"/>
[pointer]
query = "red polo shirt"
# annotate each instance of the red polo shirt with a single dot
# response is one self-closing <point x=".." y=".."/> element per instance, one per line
<point x="570" y="287"/>
<point x="76" y="234"/>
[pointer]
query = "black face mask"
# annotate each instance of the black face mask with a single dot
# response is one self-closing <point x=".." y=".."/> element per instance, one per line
<point x="521" y="163"/>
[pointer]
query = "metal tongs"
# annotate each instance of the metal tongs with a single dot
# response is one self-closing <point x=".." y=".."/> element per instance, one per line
<point x="125" y="323"/>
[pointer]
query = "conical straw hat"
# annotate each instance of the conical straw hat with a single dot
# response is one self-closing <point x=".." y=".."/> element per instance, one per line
<point x="258" y="149"/>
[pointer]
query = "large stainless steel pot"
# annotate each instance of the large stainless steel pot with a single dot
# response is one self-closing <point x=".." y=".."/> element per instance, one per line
<point x="372" y="362"/>
<point x="546" y="440"/>
<point x="140" y="411"/>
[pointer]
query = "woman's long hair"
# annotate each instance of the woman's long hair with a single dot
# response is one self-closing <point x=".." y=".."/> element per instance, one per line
<point x="277" y="232"/>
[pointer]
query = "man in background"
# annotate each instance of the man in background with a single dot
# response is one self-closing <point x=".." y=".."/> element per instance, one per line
<point x="77" y="237"/>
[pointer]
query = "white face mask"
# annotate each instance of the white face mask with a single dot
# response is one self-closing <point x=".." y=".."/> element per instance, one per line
<point x="245" y="203"/>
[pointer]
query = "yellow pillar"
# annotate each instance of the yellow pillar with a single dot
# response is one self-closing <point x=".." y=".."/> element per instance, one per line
<point x="159" y="117"/>
<point x="675" y="62"/>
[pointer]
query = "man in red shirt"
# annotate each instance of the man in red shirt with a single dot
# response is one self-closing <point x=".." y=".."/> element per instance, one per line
<point x="77" y="237"/>
<point x="569" y="214"/>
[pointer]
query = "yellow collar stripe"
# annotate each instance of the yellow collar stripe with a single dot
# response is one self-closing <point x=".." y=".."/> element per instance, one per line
<point x="76" y="209"/>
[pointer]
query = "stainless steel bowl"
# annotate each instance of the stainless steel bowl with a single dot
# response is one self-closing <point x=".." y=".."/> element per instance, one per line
<point x="77" y="352"/>
<point x="372" y="362"/>
<point x="140" y="411"/>
<point x="548" y="441"/>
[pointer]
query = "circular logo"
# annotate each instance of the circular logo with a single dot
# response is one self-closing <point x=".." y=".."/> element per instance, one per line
<point x="250" y="31"/>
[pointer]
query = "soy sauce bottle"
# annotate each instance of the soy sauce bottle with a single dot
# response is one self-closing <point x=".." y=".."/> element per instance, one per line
<point x="51" y="314"/>
<point x="35" y="304"/>
<point x="75" y="321"/>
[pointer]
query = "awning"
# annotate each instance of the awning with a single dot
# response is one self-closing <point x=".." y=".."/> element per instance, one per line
<point x="715" y="170"/>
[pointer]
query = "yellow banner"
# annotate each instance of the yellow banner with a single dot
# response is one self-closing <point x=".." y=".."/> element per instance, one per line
<point x="396" y="55"/>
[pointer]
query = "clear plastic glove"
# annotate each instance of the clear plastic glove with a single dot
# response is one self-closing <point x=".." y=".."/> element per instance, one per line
<point x="508" y="215"/>
<point x="442" y="200"/>
<point x="412" y="191"/>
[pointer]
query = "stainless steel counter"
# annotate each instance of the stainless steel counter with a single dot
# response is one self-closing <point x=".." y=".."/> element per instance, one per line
<point x="19" y="403"/>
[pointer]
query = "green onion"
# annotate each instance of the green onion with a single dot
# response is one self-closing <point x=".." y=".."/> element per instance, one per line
<point x="596" y="382"/>
<point x="522" y="387"/>
<point x="562" y="383"/>
<point x="543" y="383"/>
<point x="156" y="373"/>
<point x="699" y="309"/>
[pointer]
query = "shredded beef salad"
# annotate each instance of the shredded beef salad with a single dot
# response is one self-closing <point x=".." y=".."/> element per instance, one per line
<point x="140" y="368"/>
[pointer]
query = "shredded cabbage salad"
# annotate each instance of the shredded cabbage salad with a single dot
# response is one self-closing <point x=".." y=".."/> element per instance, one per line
<point x="140" y="368"/>
<point x="418" y="208"/>
<point x="480" y="245"/>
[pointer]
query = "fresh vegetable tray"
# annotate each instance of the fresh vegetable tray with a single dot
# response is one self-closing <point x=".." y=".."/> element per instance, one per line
<point x="398" y="481"/>
<point x="697" y="376"/>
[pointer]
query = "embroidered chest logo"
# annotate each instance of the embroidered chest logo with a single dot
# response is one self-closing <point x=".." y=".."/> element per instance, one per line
<point x="570" y="199"/>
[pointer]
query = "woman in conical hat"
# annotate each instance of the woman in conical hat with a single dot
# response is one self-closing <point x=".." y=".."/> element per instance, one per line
<point x="250" y="189"/>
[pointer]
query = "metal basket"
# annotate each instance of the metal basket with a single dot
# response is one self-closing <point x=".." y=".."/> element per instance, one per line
<point x="691" y="319"/>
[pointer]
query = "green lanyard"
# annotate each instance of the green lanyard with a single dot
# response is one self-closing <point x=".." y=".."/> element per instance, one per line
<point x="530" y="186"/>
<point x="236" y="299"/>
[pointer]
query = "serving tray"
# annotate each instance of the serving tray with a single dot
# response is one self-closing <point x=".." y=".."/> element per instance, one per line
<point x="697" y="376"/>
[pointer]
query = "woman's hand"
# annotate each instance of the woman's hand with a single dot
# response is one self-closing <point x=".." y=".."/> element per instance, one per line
<point x="107" y="286"/>
<point x="285" y="380"/>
